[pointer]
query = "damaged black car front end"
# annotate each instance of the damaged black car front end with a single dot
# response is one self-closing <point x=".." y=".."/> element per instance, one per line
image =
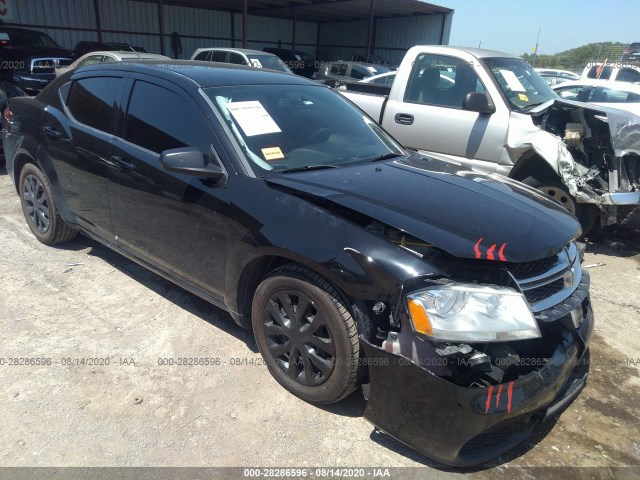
<point x="486" y="331"/>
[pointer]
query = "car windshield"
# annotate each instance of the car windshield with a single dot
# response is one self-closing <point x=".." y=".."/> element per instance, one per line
<point x="521" y="85"/>
<point x="295" y="127"/>
<point x="268" y="61"/>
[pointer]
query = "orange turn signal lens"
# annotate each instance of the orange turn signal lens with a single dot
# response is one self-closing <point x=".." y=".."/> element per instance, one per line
<point x="419" y="318"/>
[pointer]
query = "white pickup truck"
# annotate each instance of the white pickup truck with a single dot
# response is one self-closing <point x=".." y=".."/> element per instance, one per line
<point x="491" y="111"/>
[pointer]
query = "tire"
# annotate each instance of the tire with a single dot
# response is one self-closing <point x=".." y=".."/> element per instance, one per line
<point x="552" y="188"/>
<point x="322" y="335"/>
<point x="39" y="208"/>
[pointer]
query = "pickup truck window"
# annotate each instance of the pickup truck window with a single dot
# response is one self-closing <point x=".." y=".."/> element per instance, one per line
<point x="158" y="120"/>
<point x="628" y="75"/>
<point x="521" y="86"/>
<point x="91" y="102"/>
<point x="299" y="126"/>
<point x="442" y="81"/>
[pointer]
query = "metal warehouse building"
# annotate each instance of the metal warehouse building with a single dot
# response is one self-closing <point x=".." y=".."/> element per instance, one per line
<point x="326" y="29"/>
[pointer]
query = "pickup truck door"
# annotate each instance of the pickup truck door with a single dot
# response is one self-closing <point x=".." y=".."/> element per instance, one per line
<point x="175" y="222"/>
<point x="430" y="116"/>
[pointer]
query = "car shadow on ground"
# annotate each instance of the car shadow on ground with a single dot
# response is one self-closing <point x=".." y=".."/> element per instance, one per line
<point x="178" y="296"/>
<point x="619" y="241"/>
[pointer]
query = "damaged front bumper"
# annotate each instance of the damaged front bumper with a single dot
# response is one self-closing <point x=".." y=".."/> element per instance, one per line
<point x="465" y="426"/>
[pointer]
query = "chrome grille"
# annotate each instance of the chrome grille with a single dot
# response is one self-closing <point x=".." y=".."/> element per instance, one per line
<point x="550" y="281"/>
<point x="48" y="65"/>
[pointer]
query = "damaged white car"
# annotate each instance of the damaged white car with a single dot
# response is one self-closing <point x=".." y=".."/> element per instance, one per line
<point x="496" y="114"/>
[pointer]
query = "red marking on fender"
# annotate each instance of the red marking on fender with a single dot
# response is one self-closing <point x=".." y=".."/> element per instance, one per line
<point x="488" y="404"/>
<point x="501" y="253"/>
<point x="492" y="249"/>
<point x="509" y="395"/>
<point x="498" y="395"/>
<point x="477" y="249"/>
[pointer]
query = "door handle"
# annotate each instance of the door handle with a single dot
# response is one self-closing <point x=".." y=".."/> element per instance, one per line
<point x="122" y="163"/>
<point x="51" y="132"/>
<point x="404" y="118"/>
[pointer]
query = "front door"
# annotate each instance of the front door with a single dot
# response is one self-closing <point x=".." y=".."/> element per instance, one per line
<point x="176" y="222"/>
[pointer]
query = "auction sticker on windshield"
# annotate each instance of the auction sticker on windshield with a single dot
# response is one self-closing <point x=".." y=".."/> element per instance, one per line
<point x="272" y="153"/>
<point x="252" y="118"/>
<point x="512" y="81"/>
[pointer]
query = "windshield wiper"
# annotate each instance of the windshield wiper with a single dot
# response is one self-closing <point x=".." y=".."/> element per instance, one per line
<point x="306" y="168"/>
<point x="386" y="156"/>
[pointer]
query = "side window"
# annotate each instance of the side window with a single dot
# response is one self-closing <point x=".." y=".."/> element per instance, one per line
<point x="359" y="73"/>
<point x="339" y="69"/>
<point x="628" y="75"/>
<point x="237" y="59"/>
<point x="108" y="59"/>
<point x="158" y="120"/>
<point x="218" y="57"/>
<point x="90" y="60"/>
<point x="570" y="93"/>
<point x="91" y="101"/>
<point x="202" y="56"/>
<point x="441" y="81"/>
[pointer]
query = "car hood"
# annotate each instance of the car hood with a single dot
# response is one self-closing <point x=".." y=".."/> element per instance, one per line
<point x="464" y="213"/>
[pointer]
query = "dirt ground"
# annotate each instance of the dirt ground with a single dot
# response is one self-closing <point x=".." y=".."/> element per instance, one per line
<point x="81" y="300"/>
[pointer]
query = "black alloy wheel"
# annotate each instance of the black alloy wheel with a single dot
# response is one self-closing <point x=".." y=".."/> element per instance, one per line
<point x="306" y="334"/>
<point x="39" y="208"/>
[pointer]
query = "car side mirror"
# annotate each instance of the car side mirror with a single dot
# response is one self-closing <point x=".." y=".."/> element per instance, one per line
<point x="478" y="102"/>
<point x="191" y="161"/>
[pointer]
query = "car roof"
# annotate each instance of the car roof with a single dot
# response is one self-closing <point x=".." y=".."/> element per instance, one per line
<point x="246" y="51"/>
<point x="624" y="86"/>
<point x="126" y="54"/>
<point x="204" y="74"/>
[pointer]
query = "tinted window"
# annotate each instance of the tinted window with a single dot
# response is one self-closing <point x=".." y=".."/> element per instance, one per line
<point x="339" y="69"/>
<point x="236" y="58"/>
<point x="158" y="120"/>
<point x="218" y="57"/>
<point x="600" y="71"/>
<point x="92" y="101"/>
<point x="202" y="56"/>
<point x="628" y="75"/>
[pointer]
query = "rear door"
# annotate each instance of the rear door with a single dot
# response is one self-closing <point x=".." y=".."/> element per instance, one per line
<point x="77" y="138"/>
<point x="175" y="222"/>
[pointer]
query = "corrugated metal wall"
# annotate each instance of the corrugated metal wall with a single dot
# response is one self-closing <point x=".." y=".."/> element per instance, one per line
<point x="137" y="23"/>
<point x="42" y="14"/>
<point x="392" y="38"/>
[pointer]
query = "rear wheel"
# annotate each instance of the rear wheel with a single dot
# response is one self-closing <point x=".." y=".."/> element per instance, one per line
<point x="40" y="209"/>
<point x="584" y="212"/>
<point x="306" y="335"/>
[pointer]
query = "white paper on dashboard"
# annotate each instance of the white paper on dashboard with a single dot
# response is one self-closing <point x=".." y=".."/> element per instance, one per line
<point x="252" y="118"/>
<point x="512" y="81"/>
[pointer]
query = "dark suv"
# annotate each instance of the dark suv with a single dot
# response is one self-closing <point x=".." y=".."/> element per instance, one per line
<point x="28" y="58"/>
<point x="631" y="53"/>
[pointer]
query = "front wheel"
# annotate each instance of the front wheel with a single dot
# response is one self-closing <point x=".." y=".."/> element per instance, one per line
<point x="306" y="335"/>
<point x="584" y="212"/>
<point x="40" y="209"/>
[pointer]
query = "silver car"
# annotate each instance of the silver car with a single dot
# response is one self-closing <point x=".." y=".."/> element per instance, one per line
<point x="107" y="57"/>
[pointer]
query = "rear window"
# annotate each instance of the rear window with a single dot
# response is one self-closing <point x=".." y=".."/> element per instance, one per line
<point x="600" y="71"/>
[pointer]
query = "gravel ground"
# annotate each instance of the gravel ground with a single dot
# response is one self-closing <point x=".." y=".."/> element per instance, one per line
<point x="81" y="300"/>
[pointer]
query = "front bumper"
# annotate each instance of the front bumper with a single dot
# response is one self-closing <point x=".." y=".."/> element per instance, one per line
<point x="466" y="426"/>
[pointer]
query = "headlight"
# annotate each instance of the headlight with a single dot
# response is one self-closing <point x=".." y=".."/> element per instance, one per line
<point x="468" y="313"/>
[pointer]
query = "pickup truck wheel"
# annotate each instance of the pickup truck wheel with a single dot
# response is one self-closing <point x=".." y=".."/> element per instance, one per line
<point x="40" y="209"/>
<point x="306" y="335"/>
<point x="585" y="213"/>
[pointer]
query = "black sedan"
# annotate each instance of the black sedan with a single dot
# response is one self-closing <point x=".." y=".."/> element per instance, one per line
<point x="455" y="299"/>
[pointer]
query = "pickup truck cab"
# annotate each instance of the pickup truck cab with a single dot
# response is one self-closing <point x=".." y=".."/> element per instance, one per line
<point x="491" y="111"/>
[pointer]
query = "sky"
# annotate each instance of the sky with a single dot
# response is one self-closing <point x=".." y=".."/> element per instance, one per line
<point x="512" y="26"/>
